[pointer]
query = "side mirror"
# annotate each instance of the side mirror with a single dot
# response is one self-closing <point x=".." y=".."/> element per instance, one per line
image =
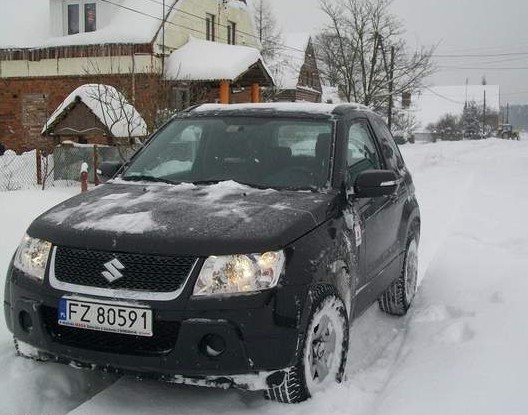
<point x="109" y="169"/>
<point x="376" y="183"/>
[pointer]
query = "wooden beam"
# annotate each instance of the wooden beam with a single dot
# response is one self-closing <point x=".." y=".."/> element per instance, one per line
<point x="255" y="92"/>
<point x="224" y="92"/>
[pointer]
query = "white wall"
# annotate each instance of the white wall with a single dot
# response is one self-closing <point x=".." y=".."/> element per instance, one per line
<point x="190" y="20"/>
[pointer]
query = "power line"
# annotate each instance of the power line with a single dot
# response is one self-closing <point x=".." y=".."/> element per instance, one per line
<point x="480" y="55"/>
<point x="443" y="96"/>
<point x="487" y="68"/>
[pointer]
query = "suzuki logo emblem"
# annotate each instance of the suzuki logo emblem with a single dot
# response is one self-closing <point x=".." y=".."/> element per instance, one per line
<point x="113" y="267"/>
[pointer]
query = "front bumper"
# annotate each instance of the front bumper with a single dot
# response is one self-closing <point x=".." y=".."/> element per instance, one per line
<point x="260" y="332"/>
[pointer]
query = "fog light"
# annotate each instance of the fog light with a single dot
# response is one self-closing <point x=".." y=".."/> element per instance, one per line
<point x="25" y="321"/>
<point x="212" y="345"/>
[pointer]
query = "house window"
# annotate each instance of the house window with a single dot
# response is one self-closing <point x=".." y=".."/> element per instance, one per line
<point x="73" y="19"/>
<point x="81" y="16"/>
<point x="210" y="27"/>
<point x="89" y="17"/>
<point x="231" y="33"/>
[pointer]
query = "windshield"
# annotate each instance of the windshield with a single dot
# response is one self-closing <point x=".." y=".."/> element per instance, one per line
<point x="260" y="152"/>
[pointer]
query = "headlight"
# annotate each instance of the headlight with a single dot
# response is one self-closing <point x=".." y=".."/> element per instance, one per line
<point x="32" y="257"/>
<point x="239" y="273"/>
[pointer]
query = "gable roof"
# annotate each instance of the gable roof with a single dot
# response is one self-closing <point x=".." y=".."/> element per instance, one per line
<point x="26" y="24"/>
<point x="286" y="67"/>
<point x="201" y="60"/>
<point x="109" y="106"/>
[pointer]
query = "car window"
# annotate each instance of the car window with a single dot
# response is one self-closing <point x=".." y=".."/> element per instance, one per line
<point x="179" y="153"/>
<point x="278" y="152"/>
<point x="362" y="152"/>
<point x="301" y="137"/>
<point x="390" y="149"/>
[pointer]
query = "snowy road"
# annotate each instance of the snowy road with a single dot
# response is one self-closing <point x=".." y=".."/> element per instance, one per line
<point x="461" y="349"/>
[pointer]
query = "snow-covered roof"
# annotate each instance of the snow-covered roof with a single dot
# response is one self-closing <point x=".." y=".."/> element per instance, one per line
<point x="108" y="105"/>
<point x="26" y="24"/>
<point x="288" y="62"/>
<point x="434" y="102"/>
<point x="201" y="60"/>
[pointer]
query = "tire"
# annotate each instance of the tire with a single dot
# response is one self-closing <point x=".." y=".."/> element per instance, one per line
<point x="326" y="340"/>
<point x="397" y="299"/>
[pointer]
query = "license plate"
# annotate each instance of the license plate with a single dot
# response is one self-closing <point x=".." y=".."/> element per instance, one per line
<point x="114" y="318"/>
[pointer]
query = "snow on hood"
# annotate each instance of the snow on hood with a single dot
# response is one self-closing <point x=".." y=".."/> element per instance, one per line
<point x="109" y="106"/>
<point x="196" y="220"/>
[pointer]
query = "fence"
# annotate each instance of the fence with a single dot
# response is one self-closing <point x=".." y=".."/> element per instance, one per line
<point x="61" y="168"/>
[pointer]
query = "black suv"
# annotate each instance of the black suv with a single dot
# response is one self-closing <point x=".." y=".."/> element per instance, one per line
<point x="234" y="249"/>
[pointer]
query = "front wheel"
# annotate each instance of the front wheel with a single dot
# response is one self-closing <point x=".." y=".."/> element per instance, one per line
<point x="397" y="299"/>
<point x="323" y="356"/>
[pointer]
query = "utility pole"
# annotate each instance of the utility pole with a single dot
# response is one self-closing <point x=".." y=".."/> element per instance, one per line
<point x="163" y="41"/>
<point x="261" y="6"/>
<point x="467" y="82"/>
<point x="508" y="113"/>
<point x="391" y="87"/>
<point x="484" y="115"/>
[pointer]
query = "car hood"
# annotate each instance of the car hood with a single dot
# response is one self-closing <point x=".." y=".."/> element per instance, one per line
<point x="225" y="218"/>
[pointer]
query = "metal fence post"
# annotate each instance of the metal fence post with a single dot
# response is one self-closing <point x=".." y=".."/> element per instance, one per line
<point x="96" y="164"/>
<point x="39" y="166"/>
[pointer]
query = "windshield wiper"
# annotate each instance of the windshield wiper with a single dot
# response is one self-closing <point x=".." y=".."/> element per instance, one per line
<point x="207" y="182"/>
<point x="145" y="178"/>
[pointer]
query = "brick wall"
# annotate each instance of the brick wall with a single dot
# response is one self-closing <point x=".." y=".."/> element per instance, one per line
<point x="26" y="103"/>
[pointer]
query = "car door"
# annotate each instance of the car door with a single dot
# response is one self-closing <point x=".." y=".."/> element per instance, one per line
<point x="377" y="215"/>
<point x="393" y="161"/>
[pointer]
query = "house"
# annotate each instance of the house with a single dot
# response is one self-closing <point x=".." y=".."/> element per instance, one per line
<point x="49" y="48"/>
<point x="295" y="70"/>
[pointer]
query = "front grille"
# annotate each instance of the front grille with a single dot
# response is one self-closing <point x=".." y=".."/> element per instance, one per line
<point x="162" y="342"/>
<point x="152" y="273"/>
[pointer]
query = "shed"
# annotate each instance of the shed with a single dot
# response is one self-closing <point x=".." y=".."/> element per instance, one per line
<point x="95" y="114"/>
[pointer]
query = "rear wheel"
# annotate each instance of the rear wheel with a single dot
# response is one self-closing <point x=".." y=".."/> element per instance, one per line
<point x="397" y="299"/>
<point x="323" y="356"/>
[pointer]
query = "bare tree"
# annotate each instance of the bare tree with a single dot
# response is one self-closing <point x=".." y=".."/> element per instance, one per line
<point x="268" y="30"/>
<point x="363" y="53"/>
<point x="116" y="112"/>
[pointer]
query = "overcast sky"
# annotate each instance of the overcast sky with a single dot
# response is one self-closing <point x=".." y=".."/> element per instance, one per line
<point x="459" y="27"/>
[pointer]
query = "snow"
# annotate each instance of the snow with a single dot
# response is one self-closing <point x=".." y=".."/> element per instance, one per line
<point x="461" y="349"/>
<point x="125" y="26"/>
<point x="307" y="107"/>
<point x="201" y="60"/>
<point x="331" y="95"/>
<point x="437" y="101"/>
<point x="288" y="62"/>
<point x="109" y="106"/>
<point x="131" y="223"/>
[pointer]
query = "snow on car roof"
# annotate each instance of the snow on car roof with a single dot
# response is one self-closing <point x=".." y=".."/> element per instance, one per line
<point x="301" y="107"/>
